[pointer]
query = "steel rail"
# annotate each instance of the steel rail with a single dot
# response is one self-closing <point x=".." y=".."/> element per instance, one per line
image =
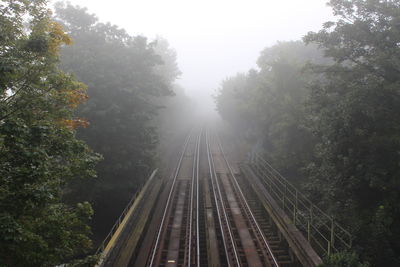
<point x="189" y="247"/>
<point x="197" y="200"/>
<point x="169" y="198"/>
<point x="213" y="174"/>
<point x="195" y="181"/>
<point x="275" y="262"/>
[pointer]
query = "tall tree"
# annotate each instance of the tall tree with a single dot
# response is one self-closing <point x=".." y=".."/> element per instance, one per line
<point x="168" y="69"/>
<point x="39" y="153"/>
<point x="356" y="113"/>
<point x="269" y="105"/>
<point x="120" y="71"/>
<point x="282" y="105"/>
<point x="175" y="107"/>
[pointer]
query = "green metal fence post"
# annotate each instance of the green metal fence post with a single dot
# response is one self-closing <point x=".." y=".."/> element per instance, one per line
<point x="329" y="248"/>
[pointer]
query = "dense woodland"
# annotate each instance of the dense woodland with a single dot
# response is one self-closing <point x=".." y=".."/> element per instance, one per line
<point x="325" y="111"/>
<point x="80" y="125"/>
<point x="128" y="78"/>
<point x="84" y="107"/>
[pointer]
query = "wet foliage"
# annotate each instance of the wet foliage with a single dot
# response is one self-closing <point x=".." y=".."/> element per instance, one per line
<point x="128" y="81"/>
<point x="84" y="105"/>
<point x="39" y="151"/>
<point x="332" y="125"/>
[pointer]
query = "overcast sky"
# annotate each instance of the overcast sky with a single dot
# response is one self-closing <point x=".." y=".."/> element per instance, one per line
<point x="214" y="39"/>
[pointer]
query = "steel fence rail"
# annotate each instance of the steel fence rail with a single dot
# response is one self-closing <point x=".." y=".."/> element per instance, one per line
<point x="325" y="235"/>
<point x="121" y="218"/>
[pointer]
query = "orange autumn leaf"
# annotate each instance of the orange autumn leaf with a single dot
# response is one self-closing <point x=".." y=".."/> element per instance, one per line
<point x="58" y="37"/>
<point x="75" y="123"/>
<point x="76" y="97"/>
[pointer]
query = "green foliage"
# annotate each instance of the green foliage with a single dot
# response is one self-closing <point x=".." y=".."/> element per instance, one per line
<point x="89" y="261"/>
<point x="39" y="154"/>
<point x="124" y="75"/>
<point x="338" y="120"/>
<point x="269" y="105"/>
<point x="356" y="113"/>
<point x="343" y="259"/>
<point x="168" y="68"/>
<point x="233" y="99"/>
<point x="174" y="111"/>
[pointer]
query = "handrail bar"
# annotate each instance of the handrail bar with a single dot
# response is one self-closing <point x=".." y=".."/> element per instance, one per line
<point x="117" y="223"/>
<point x="300" y="207"/>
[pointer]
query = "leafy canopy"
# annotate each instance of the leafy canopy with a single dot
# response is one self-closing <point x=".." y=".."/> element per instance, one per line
<point x="39" y="153"/>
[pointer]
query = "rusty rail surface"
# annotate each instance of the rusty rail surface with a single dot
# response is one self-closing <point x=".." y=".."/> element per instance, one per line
<point x="254" y="223"/>
<point x="225" y="227"/>
<point x="183" y="198"/>
<point x="244" y="242"/>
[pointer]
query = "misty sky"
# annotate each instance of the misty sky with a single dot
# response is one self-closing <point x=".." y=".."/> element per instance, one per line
<point x="213" y="38"/>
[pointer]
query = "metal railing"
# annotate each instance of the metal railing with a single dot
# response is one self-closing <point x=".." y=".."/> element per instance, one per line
<point x="325" y="235"/>
<point x="118" y="222"/>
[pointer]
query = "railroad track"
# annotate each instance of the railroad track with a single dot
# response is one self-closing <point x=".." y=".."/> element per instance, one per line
<point x="207" y="220"/>
<point x="243" y="240"/>
<point x="177" y="241"/>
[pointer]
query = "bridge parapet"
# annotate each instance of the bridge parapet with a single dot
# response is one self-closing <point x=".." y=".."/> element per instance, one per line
<point x="126" y="229"/>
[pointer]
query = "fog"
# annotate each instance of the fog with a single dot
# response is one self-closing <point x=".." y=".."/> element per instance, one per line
<point x="288" y="108"/>
<point x="213" y="39"/>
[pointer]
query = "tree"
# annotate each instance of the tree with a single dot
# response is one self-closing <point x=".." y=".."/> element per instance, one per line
<point x="120" y="71"/>
<point x="283" y="97"/>
<point x="356" y="114"/>
<point x="39" y="153"/>
<point x="270" y="105"/>
<point x="168" y="69"/>
<point x="343" y="259"/>
<point x="175" y="107"/>
<point x="234" y="101"/>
